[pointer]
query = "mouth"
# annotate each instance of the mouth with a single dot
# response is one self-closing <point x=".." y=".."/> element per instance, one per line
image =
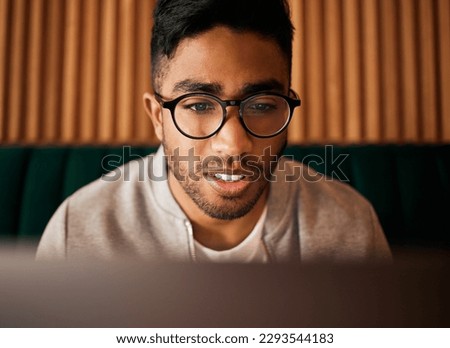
<point x="229" y="177"/>
<point x="228" y="184"/>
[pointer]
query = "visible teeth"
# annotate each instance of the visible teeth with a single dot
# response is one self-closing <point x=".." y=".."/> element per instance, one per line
<point x="227" y="177"/>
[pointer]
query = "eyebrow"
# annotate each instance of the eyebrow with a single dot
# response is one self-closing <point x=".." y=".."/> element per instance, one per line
<point x="267" y="85"/>
<point x="191" y="86"/>
<point x="188" y="86"/>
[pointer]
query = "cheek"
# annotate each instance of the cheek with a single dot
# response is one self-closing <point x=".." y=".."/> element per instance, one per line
<point x="180" y="145"/>
<point x="272" y="145"/>
<point x="172" y="138"/>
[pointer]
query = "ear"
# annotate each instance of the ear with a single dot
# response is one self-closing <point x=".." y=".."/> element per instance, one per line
<point x="154" y="111"/>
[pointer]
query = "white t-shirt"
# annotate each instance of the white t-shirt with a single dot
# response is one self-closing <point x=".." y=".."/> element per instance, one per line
<point x="250" y="250"/>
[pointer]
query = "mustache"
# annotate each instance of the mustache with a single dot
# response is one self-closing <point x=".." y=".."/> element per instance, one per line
<point x="247" y="165"/>
<point x="250" y="166"/>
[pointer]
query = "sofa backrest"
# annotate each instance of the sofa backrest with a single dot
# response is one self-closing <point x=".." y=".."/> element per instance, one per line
<point x="409" y="186"/>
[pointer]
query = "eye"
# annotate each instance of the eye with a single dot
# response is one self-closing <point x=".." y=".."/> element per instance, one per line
<point x="266" y="105"/>
<point x="261" y="107"/>
<point x="199" y="107"/>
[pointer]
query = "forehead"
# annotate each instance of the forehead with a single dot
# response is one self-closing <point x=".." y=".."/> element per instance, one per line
<point x="228" y="60"/>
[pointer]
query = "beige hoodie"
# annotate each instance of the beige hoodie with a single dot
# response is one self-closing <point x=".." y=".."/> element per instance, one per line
<point x="131" y="213"/>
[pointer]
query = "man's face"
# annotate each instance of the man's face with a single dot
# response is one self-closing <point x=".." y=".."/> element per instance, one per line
<point x="230" y="65"/>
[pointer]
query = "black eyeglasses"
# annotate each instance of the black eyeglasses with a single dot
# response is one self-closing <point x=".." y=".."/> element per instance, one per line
<point x="201" y="115"/>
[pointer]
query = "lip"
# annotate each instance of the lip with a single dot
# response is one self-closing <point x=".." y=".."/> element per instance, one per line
<point x="225" y="171"/>
<point x="228" y="189"/>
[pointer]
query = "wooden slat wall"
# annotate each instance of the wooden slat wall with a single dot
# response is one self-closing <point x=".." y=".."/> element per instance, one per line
<point x="443" y="10"/>
<point x="74" y="71"/>
<point x="372" y="71"/>
<point x="368" y="71"/>
<point x="4" y="15"/>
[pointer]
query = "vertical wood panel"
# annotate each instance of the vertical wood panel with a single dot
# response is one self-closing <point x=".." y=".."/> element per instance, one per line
<point x="144" y="133"/>
<point x="428" y="71"/>
<point x="107" y="71"/>
<point x="52" y="77"/>
<point x="125" y="92"/>
<point x="297" y="128"/>
<point x="352" y="68"/>
<point x="315" y="70"/>
<point x="89" y="69"/>
<point x="34" y="71"/>
<point x="409" y="66"/>
<point x="444" y="63"/>
<point x="333" y="82"/>
<point x="16" y="81"/>
<point x="71" y="71"/>
<point x="4" y="10"/>
<point x="371" y="66"/>
<point x="367" y="71"/>
<point x="391" y="111"/>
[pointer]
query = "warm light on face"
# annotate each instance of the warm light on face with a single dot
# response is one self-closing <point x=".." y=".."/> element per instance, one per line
<point x="222" y="92"/>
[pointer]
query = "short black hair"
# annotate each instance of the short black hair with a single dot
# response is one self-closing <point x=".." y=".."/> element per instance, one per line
<point x="175" y="20"/>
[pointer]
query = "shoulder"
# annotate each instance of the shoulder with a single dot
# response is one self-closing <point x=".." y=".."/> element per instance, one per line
<point x="101" y="218"/>
<point x="316" y="188"/>
<point x="121" y="186"/>
<point x="334" y="220"/>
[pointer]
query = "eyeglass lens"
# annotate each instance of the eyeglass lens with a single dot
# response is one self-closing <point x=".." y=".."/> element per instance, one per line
<point x="200" y="116"/>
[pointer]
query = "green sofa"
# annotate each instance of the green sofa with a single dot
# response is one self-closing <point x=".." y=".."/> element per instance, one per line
<point x="408" y="185"/>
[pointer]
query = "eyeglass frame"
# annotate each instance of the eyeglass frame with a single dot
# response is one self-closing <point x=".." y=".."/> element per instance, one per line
<point x="172" y="104"/>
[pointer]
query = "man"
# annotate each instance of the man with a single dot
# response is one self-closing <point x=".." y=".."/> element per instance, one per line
<point x="222" y="103"/>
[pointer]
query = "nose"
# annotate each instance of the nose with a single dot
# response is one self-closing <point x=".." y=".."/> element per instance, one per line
<point x="232" y="139"/>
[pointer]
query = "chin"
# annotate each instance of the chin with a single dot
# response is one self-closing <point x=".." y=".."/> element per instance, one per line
<point x="223" y="207"/>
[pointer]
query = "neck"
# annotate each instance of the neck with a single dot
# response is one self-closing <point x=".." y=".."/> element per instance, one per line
<point x="225" y="234"/>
